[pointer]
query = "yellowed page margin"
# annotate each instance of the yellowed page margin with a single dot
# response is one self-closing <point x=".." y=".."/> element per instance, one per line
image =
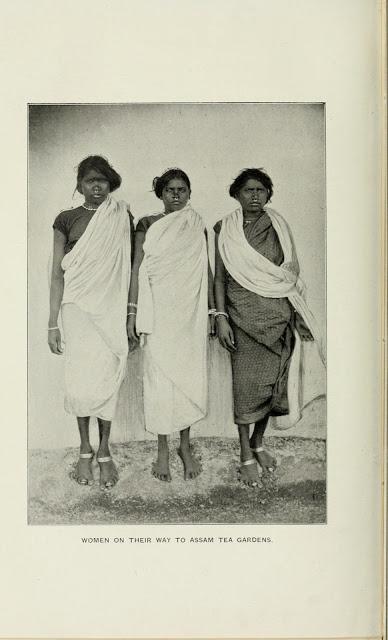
<point x="384" y="308"/>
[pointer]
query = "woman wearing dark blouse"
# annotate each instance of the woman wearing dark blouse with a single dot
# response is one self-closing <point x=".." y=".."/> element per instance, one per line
<point x="89" y="285"/>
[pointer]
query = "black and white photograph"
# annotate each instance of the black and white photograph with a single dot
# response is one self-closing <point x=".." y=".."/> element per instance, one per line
<point x="176" y="313"/>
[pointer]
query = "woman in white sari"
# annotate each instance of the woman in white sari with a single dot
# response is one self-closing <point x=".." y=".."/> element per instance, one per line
<point x="171" y="288"/>
<point x="89" y="285"/>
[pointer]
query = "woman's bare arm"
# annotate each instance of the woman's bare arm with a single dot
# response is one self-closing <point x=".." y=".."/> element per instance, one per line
<point x="210" y="291"/>
<point x="133" y="339"/>
<point x="56" y="292"/>
<point x="224" y="330"/>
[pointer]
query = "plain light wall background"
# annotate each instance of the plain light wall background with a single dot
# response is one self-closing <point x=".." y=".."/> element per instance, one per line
<point x="212" y="143"/>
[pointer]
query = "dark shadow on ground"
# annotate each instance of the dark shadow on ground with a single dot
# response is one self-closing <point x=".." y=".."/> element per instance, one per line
<point x="295" y="495"/>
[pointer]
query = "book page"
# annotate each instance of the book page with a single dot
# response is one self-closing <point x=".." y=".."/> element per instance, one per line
<point x="295" y="89"/>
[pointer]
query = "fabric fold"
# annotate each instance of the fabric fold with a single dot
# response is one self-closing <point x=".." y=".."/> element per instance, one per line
<point x="172" y="312"/>
<point x="256" y="273"/>
<point x="96" y="276"/>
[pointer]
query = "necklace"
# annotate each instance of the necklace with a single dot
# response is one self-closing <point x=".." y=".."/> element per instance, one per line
<point x="89" y="208"/>
<point x="249" y="220"/>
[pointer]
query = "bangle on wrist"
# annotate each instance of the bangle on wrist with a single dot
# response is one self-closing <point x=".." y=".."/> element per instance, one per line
<point x="132" y="304"/>
<point x="219" y="314"/>
<point x="211" y="312"/>
<point x="131" y="313"/>
<point x="52" y="328"/>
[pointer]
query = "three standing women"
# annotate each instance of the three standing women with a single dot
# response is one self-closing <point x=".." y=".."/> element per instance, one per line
<point x="259" y="301"/>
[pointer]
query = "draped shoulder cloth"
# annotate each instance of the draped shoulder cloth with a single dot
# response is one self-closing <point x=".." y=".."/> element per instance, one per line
<point x="96" y="282"/>
<point x="172" y="311"/>
<point x="257" y="274"/>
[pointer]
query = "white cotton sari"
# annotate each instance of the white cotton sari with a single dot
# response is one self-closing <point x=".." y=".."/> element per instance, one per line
<point x="258" y="274"/>
<point x="97" y="273"/>
<point x="172" y="312"/>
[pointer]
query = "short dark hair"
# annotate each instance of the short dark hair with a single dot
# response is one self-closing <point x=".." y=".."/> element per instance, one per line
<point x="159" y="183"/>
<point x="248" y="174"/>
<point x="100" y="164"/>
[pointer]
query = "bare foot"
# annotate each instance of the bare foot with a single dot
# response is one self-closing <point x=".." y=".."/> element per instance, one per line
<point x="268" y="464"/>
<point x="192" y="466"/>
<point x="108" y="472"/>
<point x="161" y="468"/>
<point x="249" y="474"/>
<point x="83" y="473"/>
<point x="267" y="461"/>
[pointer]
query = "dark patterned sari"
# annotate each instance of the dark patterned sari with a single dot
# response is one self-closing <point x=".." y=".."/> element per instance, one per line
<point x="264" y="336"/>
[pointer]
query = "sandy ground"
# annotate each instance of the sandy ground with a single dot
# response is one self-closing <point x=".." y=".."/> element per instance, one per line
<point x="296" y="494"/>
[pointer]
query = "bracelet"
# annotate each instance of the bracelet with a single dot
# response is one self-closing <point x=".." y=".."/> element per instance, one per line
<point x="131" y="313"/>
<point x="221" y="313"/>
<point x="52" y="328"/>
<point x="132" y="304"/>
<point x="211" y="312"/>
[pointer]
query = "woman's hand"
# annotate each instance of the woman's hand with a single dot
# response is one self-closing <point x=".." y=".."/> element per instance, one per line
<point x="54" y="340"/>
<point x="225" y="333"/>
<point x="133" y="339"/>
<point x="212" y="326"/>
<point x="302" y="329"/>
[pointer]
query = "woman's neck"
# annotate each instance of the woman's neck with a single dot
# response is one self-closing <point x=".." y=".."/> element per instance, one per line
<point x="248" y="215"/>
<point x="167" y="213"/>
<point x="89" y="206"/>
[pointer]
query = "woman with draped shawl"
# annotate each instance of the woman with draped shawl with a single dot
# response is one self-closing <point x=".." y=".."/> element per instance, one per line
<point x="89" y="285"/>
<point x="171" y="287"/>
<point x="261" y="313"/>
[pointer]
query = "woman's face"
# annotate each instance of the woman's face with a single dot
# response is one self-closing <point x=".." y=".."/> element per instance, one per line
<point x="175" y="195"/>
<point x="95" y="187"/>
<point x="252" y="196"/>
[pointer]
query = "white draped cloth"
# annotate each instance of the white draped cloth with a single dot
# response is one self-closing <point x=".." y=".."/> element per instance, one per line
<point x="172" y="313"/>
<point x="96" y="283"/>
<point x="258" y="274"/>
